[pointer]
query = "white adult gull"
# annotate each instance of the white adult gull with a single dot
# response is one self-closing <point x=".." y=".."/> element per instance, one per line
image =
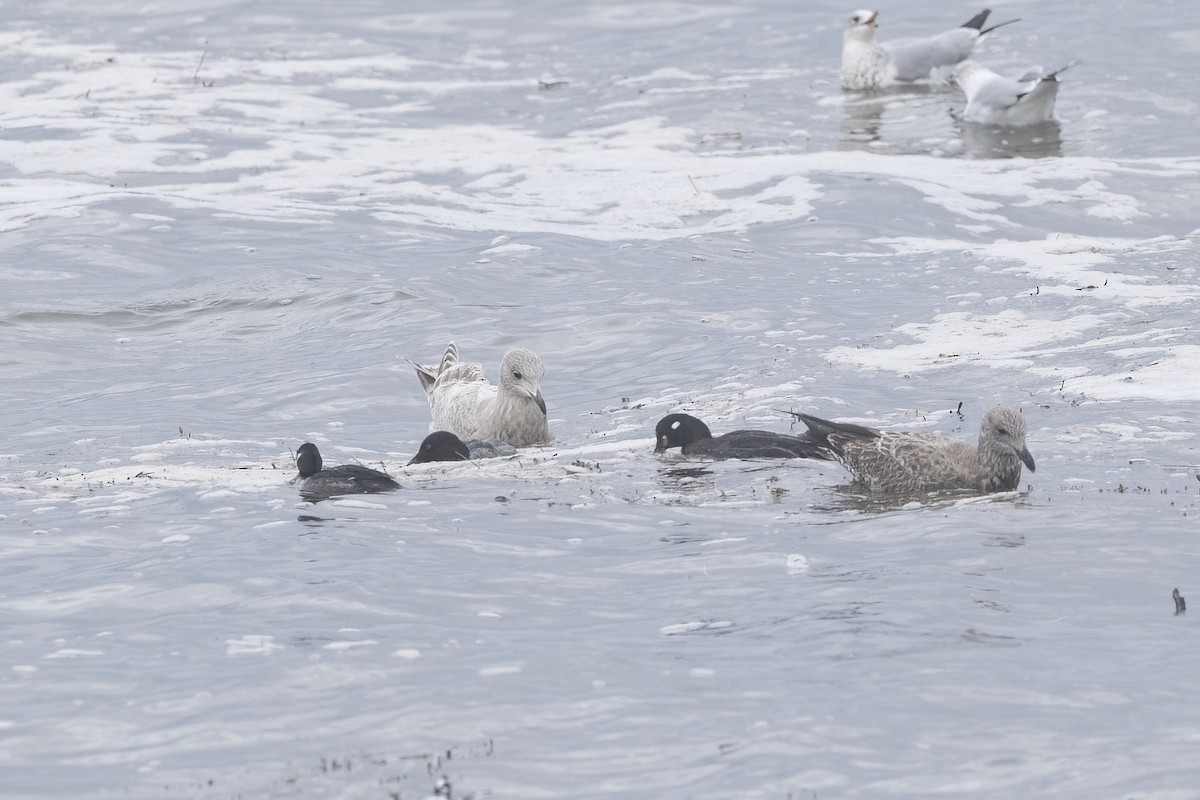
<point x="910" y="463"/>
<point x="464" y="403"/>
<point x="867" y="64"/>
<point x="994" y="99"/>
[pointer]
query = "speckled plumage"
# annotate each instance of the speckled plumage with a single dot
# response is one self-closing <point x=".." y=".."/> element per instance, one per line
<point x="910" y="463"/>
<point x="463" y="402"/>
<point x="867" y="64"/>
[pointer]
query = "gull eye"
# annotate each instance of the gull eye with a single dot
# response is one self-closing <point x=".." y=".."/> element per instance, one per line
<point x="517" y="374"/>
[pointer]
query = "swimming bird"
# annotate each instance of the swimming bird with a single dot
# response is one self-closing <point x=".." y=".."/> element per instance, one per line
<point x="867" y="64"/>
<point x="994" y="99"/>
<point x="318" y="484"/>
<point x="917" y="462"/>
<point x="445" y="446"/>
<point x="464" y="403"/>
<point x="694" y="438"/>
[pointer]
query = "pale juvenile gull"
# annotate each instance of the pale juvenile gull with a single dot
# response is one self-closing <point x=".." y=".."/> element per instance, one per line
<point x="909" y="463"/>
<point x="464" y="403"/>
<point x="994" y="99"/>
<point x="445" y="446"/>
<point x="318" y="484"/>
<point x="867" y="64"/>
<point x="693" y="438"/>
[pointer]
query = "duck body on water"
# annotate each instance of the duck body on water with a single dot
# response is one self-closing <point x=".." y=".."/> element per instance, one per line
<point x="319" y="483"/>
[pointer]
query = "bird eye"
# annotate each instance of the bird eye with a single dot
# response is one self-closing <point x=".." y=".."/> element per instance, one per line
<point x="517" y="374"/>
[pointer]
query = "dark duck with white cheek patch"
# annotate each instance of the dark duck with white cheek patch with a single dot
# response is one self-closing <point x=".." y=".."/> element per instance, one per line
<point x="694" y="439"/>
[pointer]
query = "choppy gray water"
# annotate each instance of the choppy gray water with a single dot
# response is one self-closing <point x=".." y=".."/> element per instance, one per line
<point x="227" y="225"/>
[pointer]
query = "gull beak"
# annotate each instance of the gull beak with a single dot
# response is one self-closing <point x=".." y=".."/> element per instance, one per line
<point x="872" y="21"/>
<point x="537" y="398"/>
<point x="1023" y="454"/>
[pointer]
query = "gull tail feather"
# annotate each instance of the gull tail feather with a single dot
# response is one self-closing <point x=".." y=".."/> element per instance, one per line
<point x="1053" y="76"/>
<point x="985" y="31"/>
<point x="977" y="21"/>
<point x="428" y="375"/>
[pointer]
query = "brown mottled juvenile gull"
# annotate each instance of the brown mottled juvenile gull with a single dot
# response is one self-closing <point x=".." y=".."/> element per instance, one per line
<point x="867" y="64"/>
<point x="916" y="462"/>
<point x="464" y="403"/>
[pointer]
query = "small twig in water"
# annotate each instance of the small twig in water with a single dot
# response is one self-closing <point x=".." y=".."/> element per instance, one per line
<point x="196" y="74"/>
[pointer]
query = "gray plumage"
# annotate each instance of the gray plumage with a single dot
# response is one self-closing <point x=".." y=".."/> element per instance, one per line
<point x="911" y="463"/>
<point x="867" y="64"/>
<point x="994" y="99"/>
<point x="463" y="402"/>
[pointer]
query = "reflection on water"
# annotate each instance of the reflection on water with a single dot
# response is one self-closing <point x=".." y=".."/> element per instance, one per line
<point x="998" y="141"/>
<point x="855" y="497"/>
<point x="873" y="120"/>
<point x="862" y="117"/>
<point x="686" y="480"/>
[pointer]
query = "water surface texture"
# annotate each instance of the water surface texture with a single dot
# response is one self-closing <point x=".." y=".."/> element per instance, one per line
<point x="227" y="225"/>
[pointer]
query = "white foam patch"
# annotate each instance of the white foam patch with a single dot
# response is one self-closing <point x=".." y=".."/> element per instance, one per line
<point x="1158" y="363"/>
<point x="252" y="644"/>
<point x="502" y="669"/>
<point x="302" y="155"/>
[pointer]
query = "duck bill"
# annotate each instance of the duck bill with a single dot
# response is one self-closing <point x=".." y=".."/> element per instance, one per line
<point x="1028" y="459"/>
<point x="661" y="446"/>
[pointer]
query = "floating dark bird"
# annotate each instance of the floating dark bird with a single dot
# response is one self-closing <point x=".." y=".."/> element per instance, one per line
<point x="693" y="438"/>
<point x="319" y="484"/>
<point x="445" y="446"/>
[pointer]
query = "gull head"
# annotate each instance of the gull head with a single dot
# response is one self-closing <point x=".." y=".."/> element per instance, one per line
<point x="521" y="374"/>
<point x="862" y="23"/>
<point x="1002" y="436"/>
